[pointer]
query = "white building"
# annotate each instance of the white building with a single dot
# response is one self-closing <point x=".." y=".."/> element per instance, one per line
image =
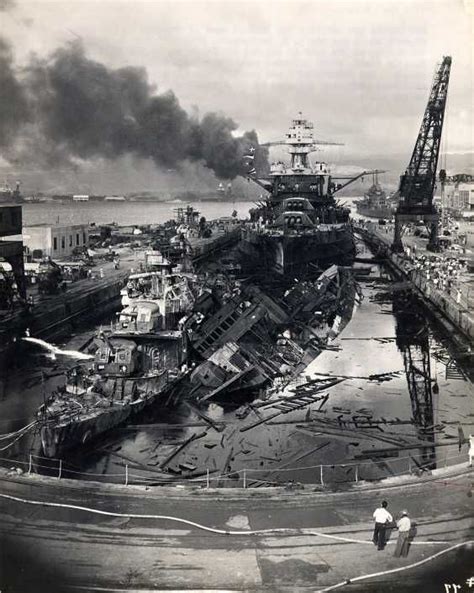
<point x="55" y="241"/>
<point x="460" y="196"/>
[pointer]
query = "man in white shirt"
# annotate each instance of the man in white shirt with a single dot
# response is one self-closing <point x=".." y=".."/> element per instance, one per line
<point x="404" y="526"/>
<point x="382" y="519"/>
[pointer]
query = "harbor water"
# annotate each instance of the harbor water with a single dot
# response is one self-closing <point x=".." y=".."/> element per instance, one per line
<point x="124" y="213"/>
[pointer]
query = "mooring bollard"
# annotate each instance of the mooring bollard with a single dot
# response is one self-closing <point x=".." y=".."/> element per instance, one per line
<point x="321" y="474"/>
<point x="126" y="474"/>
<point x="60" y="469"/>
<point x="207" y="477"/>
<point x="30" y="464"/>
<point x="245" y="478"/>
<point x="357" y="473"/>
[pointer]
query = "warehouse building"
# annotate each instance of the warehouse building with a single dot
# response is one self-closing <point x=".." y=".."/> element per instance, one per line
<point x="56" y="241"/>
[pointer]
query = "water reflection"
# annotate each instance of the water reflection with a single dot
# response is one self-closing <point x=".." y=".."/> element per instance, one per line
<point x="413" y="341"/>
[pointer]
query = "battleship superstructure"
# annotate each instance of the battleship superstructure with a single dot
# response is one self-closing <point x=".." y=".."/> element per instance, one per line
<point x="300" y="225"/>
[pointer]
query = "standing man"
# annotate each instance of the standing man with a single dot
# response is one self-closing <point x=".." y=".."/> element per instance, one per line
<point x="382" y="518"/>
<point x="404" y="526"/>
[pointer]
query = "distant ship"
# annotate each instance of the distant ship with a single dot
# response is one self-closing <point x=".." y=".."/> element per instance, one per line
<point x="375" y="203"/>
<point x="9" y="195"/>
<point x="223" y="192"/>
<point x="300" y="227"/>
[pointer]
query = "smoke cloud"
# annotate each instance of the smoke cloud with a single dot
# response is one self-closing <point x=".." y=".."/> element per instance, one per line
<point x="68" y="107"/>
<point x="13" y="104"/>
<point x="6" y="5"/>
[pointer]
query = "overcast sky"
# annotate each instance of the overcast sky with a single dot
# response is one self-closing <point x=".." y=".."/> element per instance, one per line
<point x="361" y="70"/>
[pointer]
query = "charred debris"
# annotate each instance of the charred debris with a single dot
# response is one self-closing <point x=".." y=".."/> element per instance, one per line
<point x="196" y="331"/>
<point x="247" y="335"/>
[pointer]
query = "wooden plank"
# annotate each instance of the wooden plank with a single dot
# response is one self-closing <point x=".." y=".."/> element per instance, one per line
<point x="227" y="383"/>
<point x="205" y="417"/>
<point x="302" y="456"/>
<point x="255" y="424"/>
<point x="187" y="442"/>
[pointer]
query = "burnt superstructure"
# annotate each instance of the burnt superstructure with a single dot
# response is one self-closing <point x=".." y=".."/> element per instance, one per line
<point x="135" y="365"/>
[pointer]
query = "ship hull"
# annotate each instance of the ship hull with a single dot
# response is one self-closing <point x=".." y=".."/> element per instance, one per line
<point x="57" y="438"/>
<point x="371" y="212"/>
<point x="297" y="253"/>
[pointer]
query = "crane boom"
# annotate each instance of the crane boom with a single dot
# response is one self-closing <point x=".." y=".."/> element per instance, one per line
<point x="417" y="184"/>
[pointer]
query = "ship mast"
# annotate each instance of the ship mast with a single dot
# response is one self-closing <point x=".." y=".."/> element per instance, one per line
<point x="300" y="142"/>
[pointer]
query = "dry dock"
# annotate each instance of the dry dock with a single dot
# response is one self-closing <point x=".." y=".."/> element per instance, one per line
<point x="60" y="534"/>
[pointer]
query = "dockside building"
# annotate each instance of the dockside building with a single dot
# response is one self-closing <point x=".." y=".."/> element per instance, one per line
<point x="56" y="241"/>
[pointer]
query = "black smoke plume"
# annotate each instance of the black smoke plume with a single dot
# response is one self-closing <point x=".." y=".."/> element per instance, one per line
<point x="6" y="5"/>
<point x="70" y="106"/>
<point x="13" y="103"/>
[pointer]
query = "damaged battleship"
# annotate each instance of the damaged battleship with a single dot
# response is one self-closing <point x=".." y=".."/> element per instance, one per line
<point x="300" y="225"/>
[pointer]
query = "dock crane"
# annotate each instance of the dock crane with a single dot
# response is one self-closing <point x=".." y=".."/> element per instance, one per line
<point x="417" y="184"/>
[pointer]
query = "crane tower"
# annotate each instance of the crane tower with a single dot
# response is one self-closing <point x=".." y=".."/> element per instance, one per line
<point x="417" y="184"/>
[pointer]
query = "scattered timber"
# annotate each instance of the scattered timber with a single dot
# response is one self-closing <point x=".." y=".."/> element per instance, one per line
<point x="395" y="450"/>
<point x="172" y="455"/>
<point x="215" y="425"/>
<point x="302" y="456"/>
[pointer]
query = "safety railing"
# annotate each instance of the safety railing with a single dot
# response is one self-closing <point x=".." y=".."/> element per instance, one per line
<point x="241" y="478"/>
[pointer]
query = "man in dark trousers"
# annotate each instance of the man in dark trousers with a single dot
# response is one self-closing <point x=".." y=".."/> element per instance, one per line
<point x="403" y="541"/>
<point x="382" y="519"/>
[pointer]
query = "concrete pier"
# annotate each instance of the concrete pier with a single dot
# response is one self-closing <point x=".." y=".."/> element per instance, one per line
<point x="61" y="535"/>
<point x="49" y="317"/>
<point x="457" y="310"/>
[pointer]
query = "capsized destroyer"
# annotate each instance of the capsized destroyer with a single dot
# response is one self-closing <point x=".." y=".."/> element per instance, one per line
<point x="300" y="227"/>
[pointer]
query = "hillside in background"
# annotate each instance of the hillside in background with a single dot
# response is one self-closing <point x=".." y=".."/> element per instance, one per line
<point x="394" y="165"/>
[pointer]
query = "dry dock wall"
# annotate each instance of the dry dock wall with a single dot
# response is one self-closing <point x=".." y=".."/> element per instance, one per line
<point x="458" y="315"/>
<point x="441" y="303"/>
<point x="55" y="316"/>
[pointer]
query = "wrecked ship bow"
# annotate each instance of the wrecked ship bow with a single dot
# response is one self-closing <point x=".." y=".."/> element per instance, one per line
<point x="137" y="363"/>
